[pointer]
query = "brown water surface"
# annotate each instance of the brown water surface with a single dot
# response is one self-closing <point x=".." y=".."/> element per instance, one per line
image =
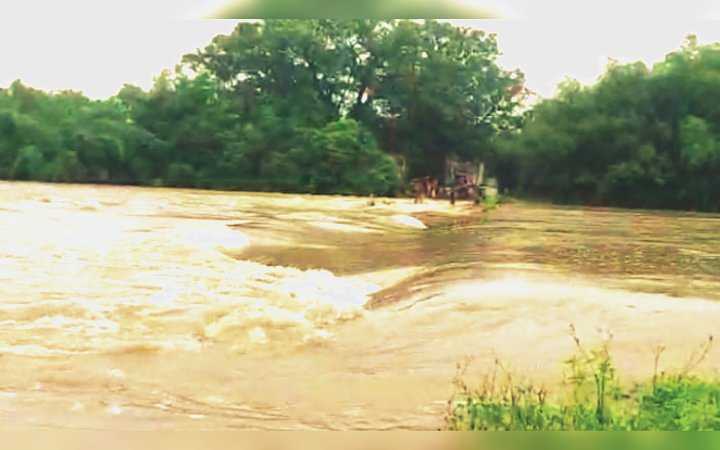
<point x="135" y="308"/>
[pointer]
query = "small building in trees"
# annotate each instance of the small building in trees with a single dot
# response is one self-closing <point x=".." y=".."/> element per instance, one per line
<point x="456" y="169"/>
<point x="469" y="173"/>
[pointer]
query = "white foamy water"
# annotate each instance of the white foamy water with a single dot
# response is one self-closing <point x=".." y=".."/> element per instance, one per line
<point x="408" y="222"/>
<point x="115" y="272"/>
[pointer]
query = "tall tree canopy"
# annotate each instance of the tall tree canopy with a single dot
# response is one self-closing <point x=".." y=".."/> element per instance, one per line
<point x="295" y="105"/>
<point x="425" y="89"/>
<point x="639" y="137"/>
<point x="298" y="105"/>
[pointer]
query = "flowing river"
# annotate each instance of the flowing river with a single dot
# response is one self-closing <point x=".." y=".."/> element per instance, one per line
<point x="126" y="308"/>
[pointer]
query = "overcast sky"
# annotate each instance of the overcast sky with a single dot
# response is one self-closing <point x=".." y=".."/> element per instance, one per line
<point x="95" y="46"/>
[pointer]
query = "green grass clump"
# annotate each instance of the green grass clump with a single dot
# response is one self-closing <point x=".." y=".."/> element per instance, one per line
<point x="593" y="399"/>
<point x="490" y="202"/>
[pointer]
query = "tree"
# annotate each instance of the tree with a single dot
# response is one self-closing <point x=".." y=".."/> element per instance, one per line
<point x="343" y="158"/>
<point x="299" y="105"/>
<point x="638" y="137"/>
<point x="434" y="87"/>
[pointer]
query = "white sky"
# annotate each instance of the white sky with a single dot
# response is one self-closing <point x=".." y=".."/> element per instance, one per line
<point x="96" y="46"/>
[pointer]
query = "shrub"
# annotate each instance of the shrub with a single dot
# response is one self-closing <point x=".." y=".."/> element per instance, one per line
<point x="180" y="175"/>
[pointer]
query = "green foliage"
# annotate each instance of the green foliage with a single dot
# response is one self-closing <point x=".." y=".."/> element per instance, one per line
<point x="28" y="164"/>
<point x="289" y="105"/>
<point x="490" y="202"/>
<point x="444" y="93"/>
<point x="698" y="143"/>
<point x="67" y="167"/>
<point x="62" y="137"/>
<point x="594" y="401"/>
<point x="425" y="90"/>
<point x="317" y="105"/>
<point x="680" y="403"/>
<point x="343" y="158"/>
<point x="180" y="175"/>
<point x="639" y="137"/>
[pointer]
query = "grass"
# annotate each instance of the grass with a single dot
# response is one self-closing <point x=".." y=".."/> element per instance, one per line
<point x="593" y="398"/>
<point x="490" y="203"/>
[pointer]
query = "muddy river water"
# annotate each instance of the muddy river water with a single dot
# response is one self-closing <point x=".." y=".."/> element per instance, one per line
<point x="128" y="308"/>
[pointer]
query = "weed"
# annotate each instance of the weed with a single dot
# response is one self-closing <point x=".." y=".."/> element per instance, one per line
<point x="594" y="400"/>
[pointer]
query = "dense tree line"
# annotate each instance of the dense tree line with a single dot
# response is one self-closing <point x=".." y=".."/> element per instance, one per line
<point x="331" y="106"/>
<point x="639" y="137"/>
<point x="323" y="106"/>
